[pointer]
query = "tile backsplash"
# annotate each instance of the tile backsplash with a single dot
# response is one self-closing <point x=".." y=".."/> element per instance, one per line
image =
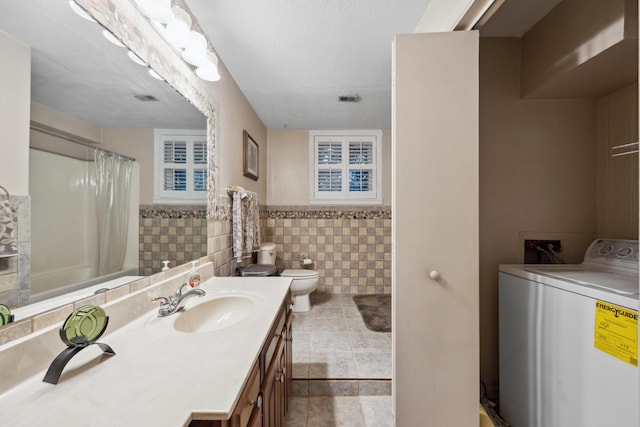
<point x="174" y="233"/>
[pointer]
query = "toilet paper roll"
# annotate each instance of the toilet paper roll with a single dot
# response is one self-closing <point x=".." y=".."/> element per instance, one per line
<point x="306" y="261"/>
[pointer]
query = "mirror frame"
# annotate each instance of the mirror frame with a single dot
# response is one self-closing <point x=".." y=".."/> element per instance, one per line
<point x="137" y="33"/>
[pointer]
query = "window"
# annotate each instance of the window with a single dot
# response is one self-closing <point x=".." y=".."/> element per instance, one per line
<point x="180" y="166"/>
<point x="345" y="167"/>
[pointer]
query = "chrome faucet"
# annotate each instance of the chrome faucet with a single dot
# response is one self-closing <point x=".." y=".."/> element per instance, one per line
<point x="172" y="304"/>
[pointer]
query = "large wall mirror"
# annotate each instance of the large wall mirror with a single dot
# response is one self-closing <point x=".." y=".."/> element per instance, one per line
<point x="86" y="89"/>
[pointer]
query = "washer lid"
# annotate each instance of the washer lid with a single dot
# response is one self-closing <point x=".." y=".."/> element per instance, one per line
<point x="258" y="270"/>
<point x="299" y="273"/>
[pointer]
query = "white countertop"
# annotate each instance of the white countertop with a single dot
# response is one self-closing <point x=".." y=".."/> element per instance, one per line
<point x="159" y="376"/>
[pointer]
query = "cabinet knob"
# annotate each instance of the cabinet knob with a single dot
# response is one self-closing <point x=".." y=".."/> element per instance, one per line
<point x="281" y="379"/>
<point x="257" y="402"/>
<point x="282" y="371"/>
<point x="434" y="275"/>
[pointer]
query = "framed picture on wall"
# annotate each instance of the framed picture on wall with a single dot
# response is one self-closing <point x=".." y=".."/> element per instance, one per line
<point x="250" y="157"/>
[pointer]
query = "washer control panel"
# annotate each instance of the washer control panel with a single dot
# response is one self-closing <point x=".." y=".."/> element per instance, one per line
<point x="613" y="251"/>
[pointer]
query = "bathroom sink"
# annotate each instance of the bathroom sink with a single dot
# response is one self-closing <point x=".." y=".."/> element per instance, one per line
<point x="214" y="314"/>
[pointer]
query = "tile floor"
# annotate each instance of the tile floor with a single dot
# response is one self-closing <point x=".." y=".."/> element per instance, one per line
<point x="341" y="369"/>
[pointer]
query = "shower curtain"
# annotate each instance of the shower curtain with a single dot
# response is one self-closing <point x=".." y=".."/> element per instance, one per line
<point x="113" y="185"/>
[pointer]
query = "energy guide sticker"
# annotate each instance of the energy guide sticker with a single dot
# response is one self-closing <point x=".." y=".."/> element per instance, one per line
<point x="616" y="332"/>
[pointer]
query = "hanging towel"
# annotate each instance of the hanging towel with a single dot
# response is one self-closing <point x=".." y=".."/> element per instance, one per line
<point x="8" y="241"/>
<point x="246" y="223"/>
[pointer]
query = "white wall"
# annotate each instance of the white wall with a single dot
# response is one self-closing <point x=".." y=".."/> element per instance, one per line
<point x="15" y="96"/>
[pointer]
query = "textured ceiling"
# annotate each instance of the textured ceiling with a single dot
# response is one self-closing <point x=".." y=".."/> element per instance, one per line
<point x="292" y="59"/>
<point x="77" y="71"/>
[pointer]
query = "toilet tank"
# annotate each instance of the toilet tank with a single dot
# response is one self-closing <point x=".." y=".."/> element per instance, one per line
<point x="267" y="253"/>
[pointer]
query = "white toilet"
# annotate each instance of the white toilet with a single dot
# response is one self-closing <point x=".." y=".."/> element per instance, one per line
<point x="304" y="281"/>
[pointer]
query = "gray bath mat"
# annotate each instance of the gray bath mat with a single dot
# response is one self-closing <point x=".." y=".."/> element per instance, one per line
<point x="375" y="310"/>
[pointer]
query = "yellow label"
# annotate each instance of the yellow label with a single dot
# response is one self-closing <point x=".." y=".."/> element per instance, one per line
<point x="616" y="332"/>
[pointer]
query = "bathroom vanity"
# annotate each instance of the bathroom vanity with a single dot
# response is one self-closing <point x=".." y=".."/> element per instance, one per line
<point x="192" y="368"/>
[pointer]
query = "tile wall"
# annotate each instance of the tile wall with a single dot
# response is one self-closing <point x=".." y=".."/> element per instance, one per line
<point x="15" y="272"/>
<point x="350" y="245"/>
<point x="177" y="234"/>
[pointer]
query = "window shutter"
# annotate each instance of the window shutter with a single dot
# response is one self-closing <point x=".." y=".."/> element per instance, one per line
<point x="200" y="173"/>
<point x="345" y="166"/>
<point x="361" y="165"/>
<point x="329" y="168"/>
<point x="181" y="166"/>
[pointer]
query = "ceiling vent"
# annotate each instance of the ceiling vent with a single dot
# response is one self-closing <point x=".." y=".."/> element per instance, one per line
<point x="145" y="98"/>
<point x="349" y="98"/>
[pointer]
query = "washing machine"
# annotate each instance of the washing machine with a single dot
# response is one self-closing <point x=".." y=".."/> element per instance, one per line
<point x="568" y="337"/>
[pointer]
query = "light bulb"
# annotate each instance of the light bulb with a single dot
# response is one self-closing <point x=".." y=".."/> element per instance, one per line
<point x="209" y="70"/>
<point x="80" y="11"/>
<point x="113" y="39"/>
<point x="155" y="75"/>
<point x="178" y="31"/>
<point x="196" y="51"/>
<point x="135" y="58"/>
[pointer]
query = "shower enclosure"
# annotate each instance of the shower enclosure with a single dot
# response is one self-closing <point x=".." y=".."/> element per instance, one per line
<point x="83" y="231"/>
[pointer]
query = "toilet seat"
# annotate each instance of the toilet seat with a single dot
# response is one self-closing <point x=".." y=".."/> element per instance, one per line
<point x="300" y="273"/>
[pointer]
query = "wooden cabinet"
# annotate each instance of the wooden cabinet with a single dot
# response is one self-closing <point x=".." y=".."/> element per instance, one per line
<point x="264" y="400"/>
<point x="277" y="382"/>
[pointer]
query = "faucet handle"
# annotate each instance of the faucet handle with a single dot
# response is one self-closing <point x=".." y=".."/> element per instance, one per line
<point x="163" y="300"/>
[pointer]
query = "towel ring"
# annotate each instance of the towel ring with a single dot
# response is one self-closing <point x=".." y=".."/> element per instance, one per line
<point x="6" y="192"/>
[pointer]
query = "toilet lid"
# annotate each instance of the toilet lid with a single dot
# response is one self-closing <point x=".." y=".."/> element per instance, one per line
<point x="258" y="270"/>
<point x="299" y="273"/>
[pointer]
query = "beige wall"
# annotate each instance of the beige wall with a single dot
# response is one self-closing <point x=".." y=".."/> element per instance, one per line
<point x="15" y="95"/>
<point x="288" y="164"/>
<point x="236" y="115"/>
<point x="136" y="143"/>
<point x="537" y="176"/>
<point x="572" y="49"/>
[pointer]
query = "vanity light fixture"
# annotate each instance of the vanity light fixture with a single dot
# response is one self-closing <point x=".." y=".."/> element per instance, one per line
<point x="182" y="32"/>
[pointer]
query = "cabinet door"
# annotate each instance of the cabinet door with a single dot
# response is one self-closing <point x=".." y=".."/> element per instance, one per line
<point x="273" y="390"/>
<point x="435" y="229"/>
<point x="256" y="418"/>
<point x="288" y="365"/>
